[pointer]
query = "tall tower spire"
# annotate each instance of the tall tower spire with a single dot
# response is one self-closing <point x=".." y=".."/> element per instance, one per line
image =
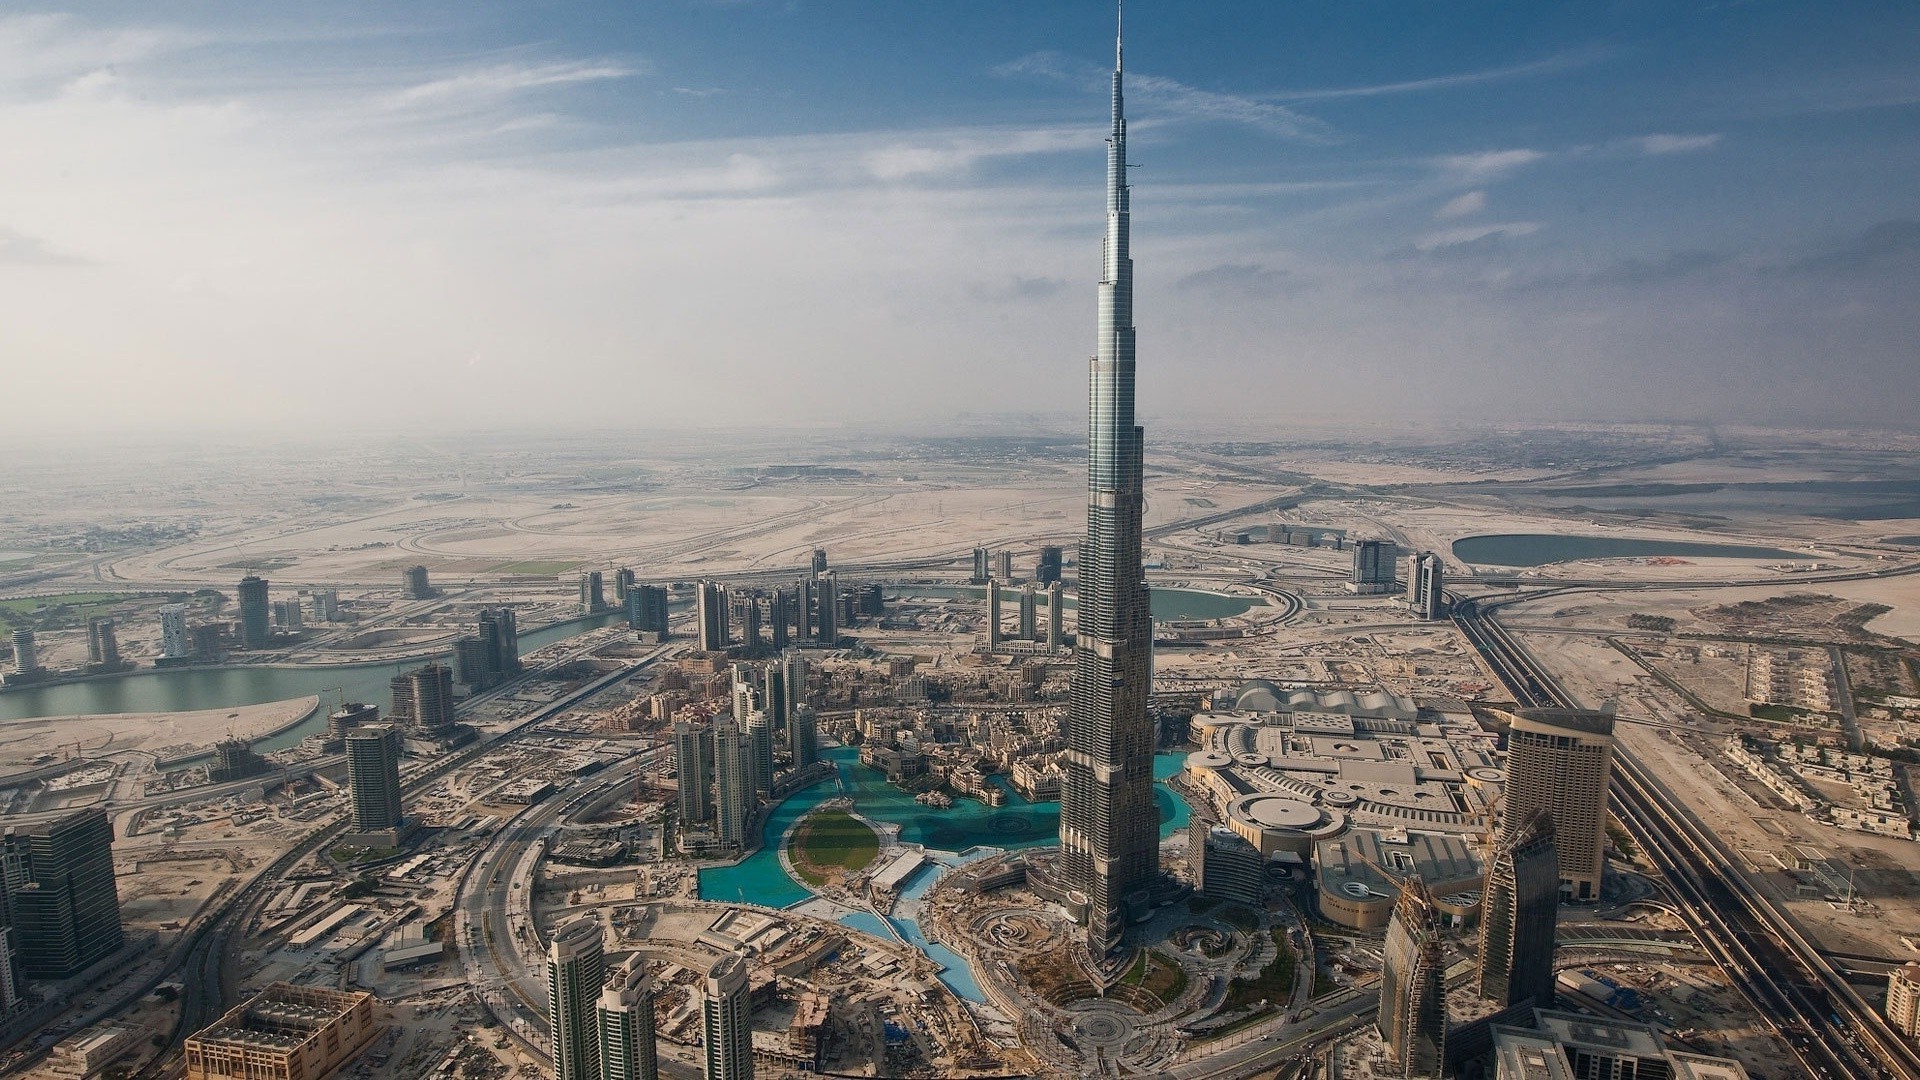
<point x="1109" y="822"/>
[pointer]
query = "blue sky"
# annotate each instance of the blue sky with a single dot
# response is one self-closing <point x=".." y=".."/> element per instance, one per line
<point x="798" y="212"/>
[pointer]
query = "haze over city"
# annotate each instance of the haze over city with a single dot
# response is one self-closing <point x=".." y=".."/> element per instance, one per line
<point x="222" y="213"/>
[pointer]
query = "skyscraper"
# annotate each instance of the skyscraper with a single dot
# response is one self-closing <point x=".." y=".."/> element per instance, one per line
<point x="1519" y="909"/>
<point x="1426" y="585"/>
<point x="993" y="614"/>
<point x="693" y="766"/>
<point x="803" y="734"/>
<point x="254" y="612"/>
<point x="373" y="778"/>
<point x="819" y="560"/>
<point x="732" y="784"/>
<point x="710" y="608"/>
<point x="416" y="584"/>
<point x="1056" y="617"/>
<point x="174" y="642"/>
<point x="647" y="608"/>
<point x="760" y="745"/>
<point x="103" y="647"/>
<point x="982" y="566"/>
<point x="576" y="966"/>
<point x="1413" y="986"/>
<point x="1047" y="570"/>
<point x="1372" y="568"/>
<point x="60" y="895"/>
<point x="1560" y="761"/>
<point x="502" y="634"/>
<point x="592" y="592"/>
<point x="623" y="580"/>
<point x="1029" y="624"/>
<point x="26" y="655"/>
<point x="1109" y="822"/>
<point x="432" y="690"/>
<point x="780" y="616"/>
<point x="10" y="976"/>
<point x="628" y="1049"/>
<point x="828" y="612"/>
<point x="727" y="1032"/>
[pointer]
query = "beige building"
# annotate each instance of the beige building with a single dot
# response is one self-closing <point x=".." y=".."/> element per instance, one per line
<point x="1559" y="761"/>
<point x="1903" y="999"/>
<point x="284" y="1032"/>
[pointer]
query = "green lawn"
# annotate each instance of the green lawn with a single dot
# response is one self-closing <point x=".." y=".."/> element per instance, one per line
<point x="1274" y="983"/>
<point x="1165" y="981"/>
<point x="832" y="838"/>
<point x="49" y="608"/>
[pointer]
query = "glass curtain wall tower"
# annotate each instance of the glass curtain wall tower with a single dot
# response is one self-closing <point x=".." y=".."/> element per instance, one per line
<point x="1109" y="822"/>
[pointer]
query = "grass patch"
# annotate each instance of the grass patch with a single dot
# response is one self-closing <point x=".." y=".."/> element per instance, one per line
<point x="1622" y="842"/>
<point x="1158" y="974"/>
<point x="1274" y="983"/>
<point x="832" y="843"/>
<point x="1240" y="917"/>
<point x="53" y="609"/>
<point x="543" y="567"/>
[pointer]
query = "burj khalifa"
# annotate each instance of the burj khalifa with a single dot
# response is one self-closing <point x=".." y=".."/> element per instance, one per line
<point x="1109" y="822"/>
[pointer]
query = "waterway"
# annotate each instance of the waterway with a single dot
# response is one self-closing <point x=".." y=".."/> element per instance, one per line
<point x="1168" y="604"/>
<point x="195" y="688"/>
<point x="1540" y="549"/>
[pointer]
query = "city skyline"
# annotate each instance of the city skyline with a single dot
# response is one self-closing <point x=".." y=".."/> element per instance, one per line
<point x="1676" y="213"/>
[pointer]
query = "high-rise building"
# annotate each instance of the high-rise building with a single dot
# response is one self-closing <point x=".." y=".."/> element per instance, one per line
<point x="1006" y="566"/>
<point x="373" y="778"/>
<point x="431" y="688"/>
<point x="400" y="710"/>
<point x="773" y="692"/>
<point x="1426" y="586"/>
<point x="351" y="714"/>
<point x="623" y="580"/>
<point x="1413" y="986"/>
<point x="993" y="614"/>
<point x="1903" y="999"/>
<point x="1029" y="611"/>
<point x="416" y="585"/>
<point x="286" y="614"/>
<point x="749" y="621"/>
<point x="1047" y="570"/>
<point x="103" y="647"/>
<point x="501" y="633"/>
<point x="1109" y="821"/>
<point x="325" y="604"/>
<point x="982" y="566"/>
<point x="26" y="655"/>
<point x="647" y="608"/>
<point x="175" y="644"/>
<point x="710" y="609"/>
<point x="732" y="784"/>
<point x="10" y="977"/>
<point x="473" y="662"/>
<point x="629" y="1049"/>
<point x="1372" y="568"/>
<point x="592" y="592"/>
<point x="693" y="766"/>
<point x="1519" y="909"/>
<point x="1056" y="617"/>
<point x="727" y="1029"/>
<point x="819" y="561"/>
<point x="255" y="613"/>
<point x="828" y="611"/>
<point x="803" y="734"/>
<point x="759" y="728"/>
<point x="1226" y="867"/>
<point x="60" y="895"/>
<point x="1560" y="761"/>
<point x="576" y="966"/>
<point x="780" y="615"/>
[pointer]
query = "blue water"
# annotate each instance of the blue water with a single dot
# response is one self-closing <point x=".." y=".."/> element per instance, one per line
<point x="760" y="879"/>
<point x="1539" y="549"/>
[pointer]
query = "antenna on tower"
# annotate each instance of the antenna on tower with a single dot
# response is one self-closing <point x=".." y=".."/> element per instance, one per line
<point x="1119" y="26"/>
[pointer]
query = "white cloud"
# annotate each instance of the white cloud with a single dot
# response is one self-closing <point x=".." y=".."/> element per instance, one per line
<point x="467" y="87"/>
<point x="1462" y="205"/>
<point x="1673" y="144"/>
<point x="1486" y="165"/>
<point x="1467" y="234"/>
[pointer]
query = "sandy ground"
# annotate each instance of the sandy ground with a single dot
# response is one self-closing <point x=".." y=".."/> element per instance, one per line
<point x="21" y="740"/>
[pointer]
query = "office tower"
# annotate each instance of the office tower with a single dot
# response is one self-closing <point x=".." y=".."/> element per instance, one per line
<point x="592" y="597"/>
<point x="628" y="1047"/>
<point x="576" y="966"/>
<point x="1560" y="761"/>
<point x="1372" y="568"/>
<point x="1029" y="625"/>
<point x="254" y="612"/>
<point x="693" y="765"/>
<point x="796" y="679"/>
<point x="502" y="634"/>
<point x="10" y="976"/>
<point x="400" y="710"/>
<point x="208" y="642"/>
<point x="325" y="604"/>
<point x="286" y="614"/>
<point x="373" y="778"/>
<point x="724" y="1012"/>
<point x="1413" y="986"/>
<point x="819" y="561"/>
<point x="750" y="622"/>
<point x="732" y="784"/>
<point x="759" y="728"/>
<point x="1519" y="909"/>
<point x="174" y="642"/>
<point x="829" y="598"/>
<point x="1006" y="566"/>
<point x="803" y="734"/>
<point x="473" y="662"/>
<point x="982" y="566"/>
<point x="58" y="877"/>
<point x="415" y="582"/>
<point x="26" y="656"/>
<point x="873" y="600"/>
<point x="710" y="609"/>
<point x="745" y="694"/>
<point x="103" y="647"/>
<point x="1047" y="570"/>
<point x="1109" y="822"/>
<point x="1903" y="999"/>
<point x="431" y="688"/>
<point x="1426" y="586"/>
<point x="1056" y="617"/>
<point x="773" y="692"/>
<point x="1225" y="866"/>
<point x="623" y="580"/>
<point x="780" y="615"/>
<point x="647" y="608"/>
<point x="993" y="614"/>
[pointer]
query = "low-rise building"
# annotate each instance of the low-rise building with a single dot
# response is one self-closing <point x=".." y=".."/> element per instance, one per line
<point x="285" y="1032"/>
